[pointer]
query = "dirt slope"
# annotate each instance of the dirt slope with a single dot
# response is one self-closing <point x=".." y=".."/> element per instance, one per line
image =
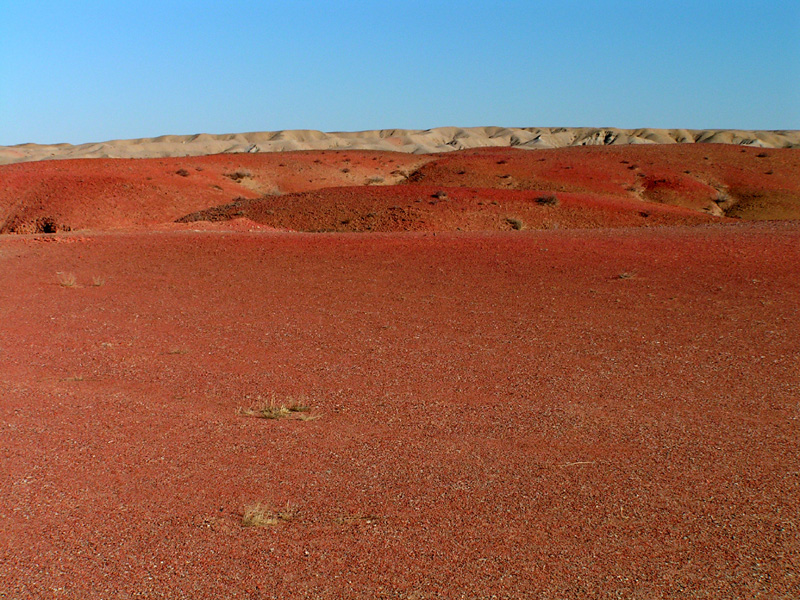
<point x="125" y="193"/>
<point x="589" y="183"/>
<point x="439" y="208"/>
<point x="719" y="179"/>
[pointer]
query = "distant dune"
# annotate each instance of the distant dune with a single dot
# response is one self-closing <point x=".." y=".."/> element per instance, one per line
<point x="440" y="139"/>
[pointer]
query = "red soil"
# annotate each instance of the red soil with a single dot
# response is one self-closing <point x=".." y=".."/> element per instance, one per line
<point x="562" y="414"/>
<point x="600" y="186"/>
<point x="606" y="410"/>
<point x="429" y="208"/>
<point x="139" y="193"/>
<point x="746" y="183"/>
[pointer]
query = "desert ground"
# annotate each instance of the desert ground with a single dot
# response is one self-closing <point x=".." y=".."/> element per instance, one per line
<point x="494" y="372"/>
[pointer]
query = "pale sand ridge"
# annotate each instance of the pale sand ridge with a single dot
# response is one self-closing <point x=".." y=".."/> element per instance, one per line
<point x="440" y="139"/>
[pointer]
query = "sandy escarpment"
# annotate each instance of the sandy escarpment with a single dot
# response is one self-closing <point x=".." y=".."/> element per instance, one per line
<point x="416" y="141"/>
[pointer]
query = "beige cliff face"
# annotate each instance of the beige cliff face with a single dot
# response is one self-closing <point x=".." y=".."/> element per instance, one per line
<point x="440" y="139"/>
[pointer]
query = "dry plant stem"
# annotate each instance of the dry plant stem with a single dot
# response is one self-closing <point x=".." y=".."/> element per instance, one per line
<point x="261" y="515"/>
<point x="271" y="408"/>
<point x="258" y="515"/>
<point x="66" y="279"/>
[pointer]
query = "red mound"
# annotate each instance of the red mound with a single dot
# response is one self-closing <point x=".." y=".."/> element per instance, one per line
<point x="590" y="182"/>
<point x="139" y="193"/>
<point x="518" y="415"/>
<point x="747" y="183"/>
<point x="427" y="208"/>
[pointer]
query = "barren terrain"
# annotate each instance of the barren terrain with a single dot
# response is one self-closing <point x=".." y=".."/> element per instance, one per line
<point x="560" y="373"/>
<point x="471" y="190"/>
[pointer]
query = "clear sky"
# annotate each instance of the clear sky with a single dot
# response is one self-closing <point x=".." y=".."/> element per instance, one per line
<point x="80" y="71"/>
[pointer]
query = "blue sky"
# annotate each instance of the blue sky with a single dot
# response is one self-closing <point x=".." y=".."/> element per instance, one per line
<point x="85" y="71"/>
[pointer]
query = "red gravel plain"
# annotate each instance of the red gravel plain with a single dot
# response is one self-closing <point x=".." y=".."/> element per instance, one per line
<point x="574" y="413"/>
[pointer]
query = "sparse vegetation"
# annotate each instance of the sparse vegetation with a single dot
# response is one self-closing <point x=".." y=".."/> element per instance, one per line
<point x="516" y="223"/>
<point x="375" y="180"/>
<point x="369" y="519"/>
<point x="261" y="515"/>
<point x="182" y="172"/>
<point x="98" y="281"/>
<point x="66" y="279"/>
<point x="549" y="200"/>
<point x="626" y="275"/>
<point x="239" y="174"/>
<point x="272" y="408"/>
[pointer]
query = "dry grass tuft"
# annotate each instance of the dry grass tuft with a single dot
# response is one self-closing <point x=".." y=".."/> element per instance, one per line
<point x="272" y="408"/>
<point x="627" y="275"/>
<point x="66" y="279"/>
<point x="261" y="515"/>
<point x="98" y="281"/>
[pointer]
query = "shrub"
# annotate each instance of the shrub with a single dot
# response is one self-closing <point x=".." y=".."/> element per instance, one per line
<point x="516" y="223"/>
<point x="549" y="200"/>
<point x="239" y="174"/>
